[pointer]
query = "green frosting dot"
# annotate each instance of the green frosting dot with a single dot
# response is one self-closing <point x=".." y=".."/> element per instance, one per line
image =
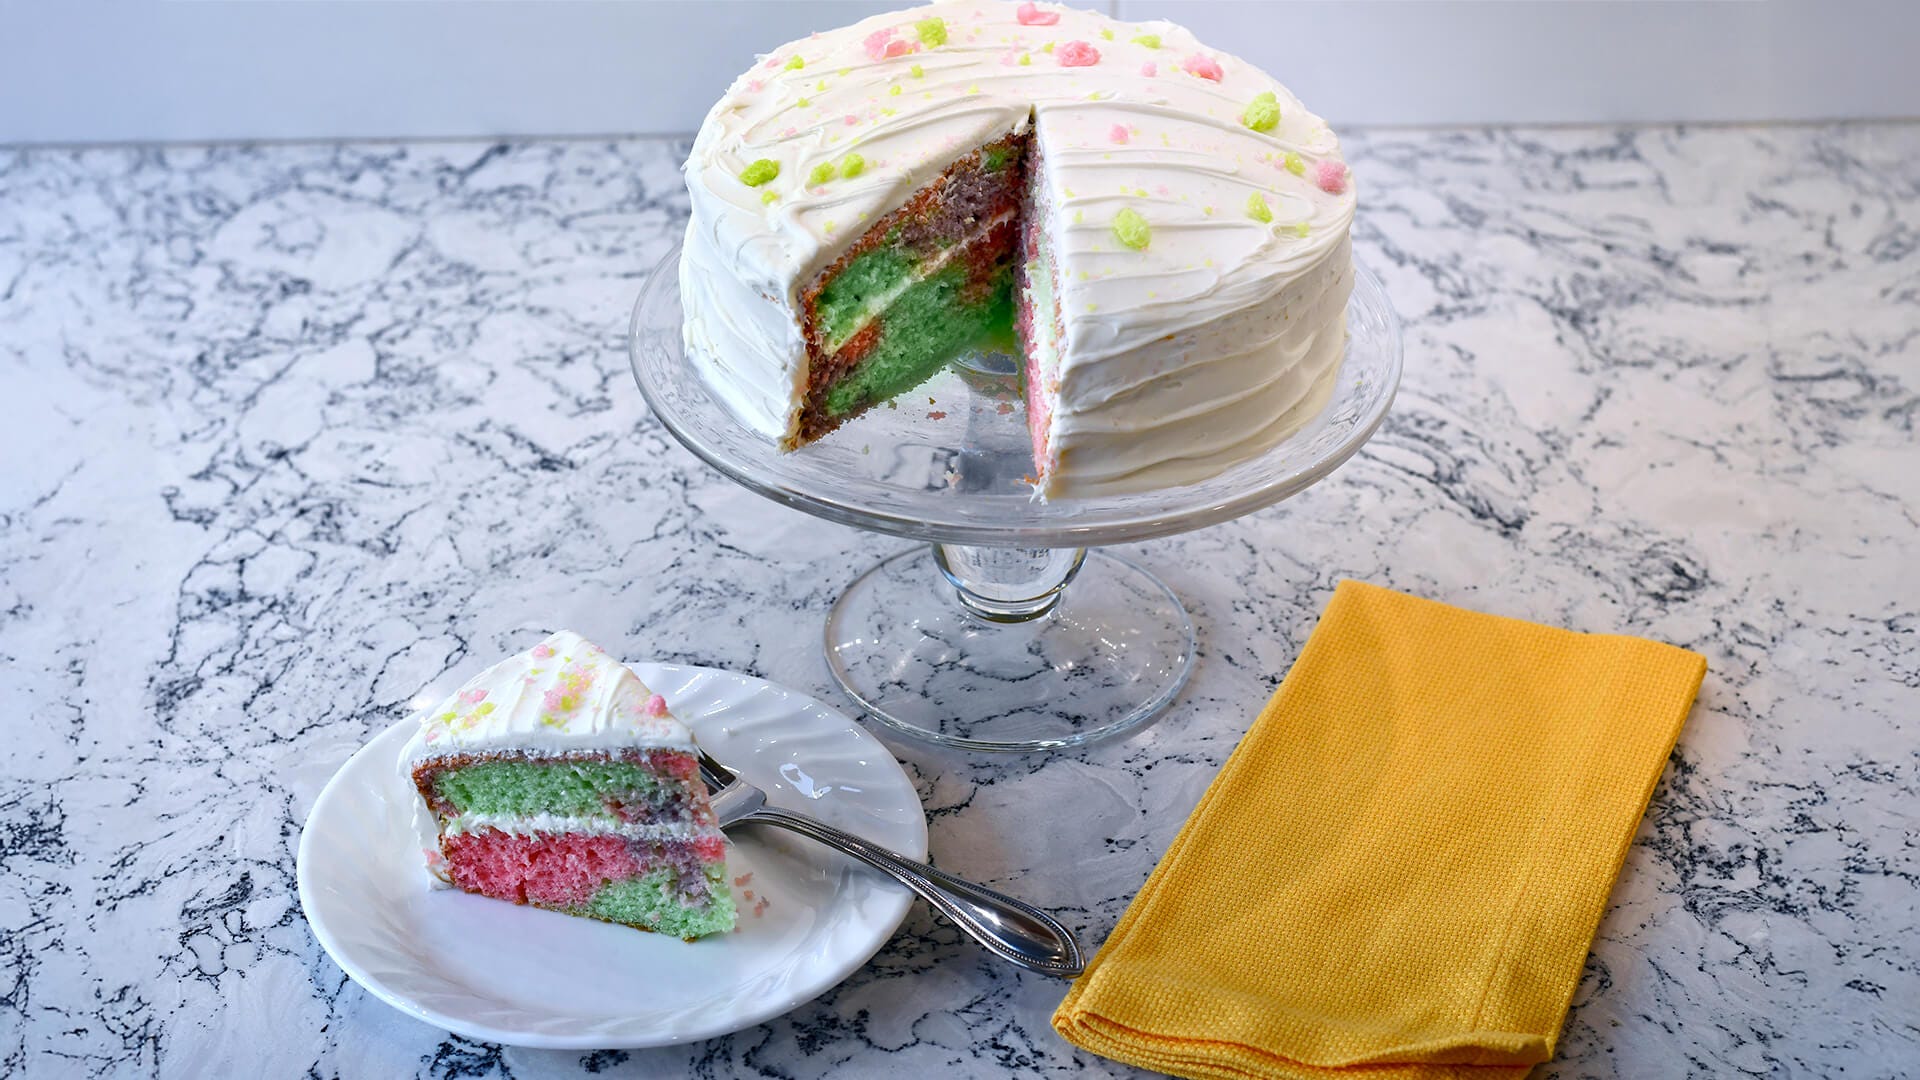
<point x="932" y="32"/>
<point x="821" y="173"/>
<point x="1131" y="229"/>
<point x="796" y="63"/>
<point x="1264" y="112"/>
<point x="1294" y="164"/>
<point x="1257" y="208"/>
<point x="852" y="165"/>
<point x="759" y="172"/>
<point x="1300" y="229"/>
<point x="1151" y="41"/>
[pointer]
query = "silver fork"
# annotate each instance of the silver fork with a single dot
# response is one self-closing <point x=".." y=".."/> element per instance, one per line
<point x="1017" y="932"/>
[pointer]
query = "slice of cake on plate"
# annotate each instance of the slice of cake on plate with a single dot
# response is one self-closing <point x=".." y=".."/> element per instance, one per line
<point x="556" y="778"/>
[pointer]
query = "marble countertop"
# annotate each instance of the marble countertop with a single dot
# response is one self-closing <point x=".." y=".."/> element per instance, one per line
<point x="294" y="431"/>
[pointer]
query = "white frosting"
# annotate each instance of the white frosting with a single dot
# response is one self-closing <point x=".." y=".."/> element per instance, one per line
<point x="564" y="694"/>
<point x="1179" y="360"/>
<point x="600" y="825"/>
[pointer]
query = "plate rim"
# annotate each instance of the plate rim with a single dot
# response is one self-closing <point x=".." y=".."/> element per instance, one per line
<point x="343" y="959"/>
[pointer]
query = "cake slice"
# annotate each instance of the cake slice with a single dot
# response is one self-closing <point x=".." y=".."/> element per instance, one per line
<point x="556" y="778"/>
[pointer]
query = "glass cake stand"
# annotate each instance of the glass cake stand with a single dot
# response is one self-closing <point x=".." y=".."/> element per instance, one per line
<point x="1002" y="632"/>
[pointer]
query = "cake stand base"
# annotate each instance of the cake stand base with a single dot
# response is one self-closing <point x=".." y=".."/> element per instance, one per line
<point x="1002" y="655"/>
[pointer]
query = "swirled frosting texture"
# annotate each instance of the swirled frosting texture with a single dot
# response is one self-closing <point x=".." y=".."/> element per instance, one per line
<point x="1182" y="355"/>
<point x="564" y="694"/>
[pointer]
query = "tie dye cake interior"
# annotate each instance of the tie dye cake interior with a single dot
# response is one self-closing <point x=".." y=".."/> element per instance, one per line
<point x="557" y="779"/>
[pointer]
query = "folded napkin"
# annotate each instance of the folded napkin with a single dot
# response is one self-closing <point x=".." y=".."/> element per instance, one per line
<point x="1399" y="871"/>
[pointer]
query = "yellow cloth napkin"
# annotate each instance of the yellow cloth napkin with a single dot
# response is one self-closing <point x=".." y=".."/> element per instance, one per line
<point x="1399" y="871"/>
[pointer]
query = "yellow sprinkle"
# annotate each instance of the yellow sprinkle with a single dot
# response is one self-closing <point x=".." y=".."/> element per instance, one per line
<point x="1140" y="191"/>
<point x="830" y="227"/>
<point x="1152" y="295"/>
<point x="1047" y="48"/>
<point x="1078" y="217"/>
<point x="1083" y="275"/>
<point x="821" y="173"/>
<point x="917" y="71"/>
<point x="1300" y="229"/>
<point x="768" y="197"/>
<point x="796" y="63"/>
<point x="974" y="89"/>
<point x="1294" y="165"/>
<point x="1257" y="208"/>
<point x="1091" y="308"/>
<point x="1107" y="33"/>
<point x="1207" y="210"/>
<point x="1151" y="41"/>
<point x="1164" y="141"/>
<point x="843" y="71"/>
<point x="888" y="112"/>
<point x="1069" y="192"/>
<point x="1026" y="59"/>
<point x="803" y="103"/>
<point x="821" y="86"/>
<point x="894" y="90"/>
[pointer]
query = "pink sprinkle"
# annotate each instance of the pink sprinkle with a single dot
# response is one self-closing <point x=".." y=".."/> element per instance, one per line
<point x="1203" y="66"/>
<point x="1030" y="15"/>
<point x="901" y="48"/>
<point x="877" y="43"/>
<point x="1118" y="134"/>
<point x="1149" y="69"/>
<point x="772" y="62"/>
<point x="1010" y="58"/>
<point x="1077" y="54"/>
<point x="1331" y="176"/>
<point x="789" y="133"/>
<point x="852" y="119"/>
<point x="1159" y="189"/>
<point x="472" y="697"/>
<point x="656" y="706"/>
<point x="756" y="85"/>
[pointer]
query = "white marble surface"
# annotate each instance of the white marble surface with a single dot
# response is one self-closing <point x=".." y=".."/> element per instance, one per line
<point x="292" y="432"/>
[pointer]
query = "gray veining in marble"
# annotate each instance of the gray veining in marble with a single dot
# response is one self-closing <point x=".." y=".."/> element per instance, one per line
<point x="292" y="432"/>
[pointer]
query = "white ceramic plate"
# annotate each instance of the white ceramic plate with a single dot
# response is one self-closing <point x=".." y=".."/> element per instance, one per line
<point x="497" y="972"/>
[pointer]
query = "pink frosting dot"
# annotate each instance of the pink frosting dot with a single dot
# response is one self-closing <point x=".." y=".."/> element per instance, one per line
<point x="1077" y="54"/>
<point x="472" y="697"/>
<point x="877" y="41"/>
<point x="756" y="85"/>
<point x="1030" y="14"/>
<point x="1331" y="176"/>
<point x="1118" y="134"/>
<point x="541" y="652"/>
<point x="1203" y="66"/>
<point x="656" y="706"/>
<point x="852" y="119"/>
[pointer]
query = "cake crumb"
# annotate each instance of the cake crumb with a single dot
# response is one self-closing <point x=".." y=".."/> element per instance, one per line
<point x="743" y="878"/>
<point x="937" y="414"/>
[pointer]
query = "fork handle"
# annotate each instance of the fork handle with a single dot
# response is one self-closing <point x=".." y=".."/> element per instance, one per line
<point x="1013" y="930"/>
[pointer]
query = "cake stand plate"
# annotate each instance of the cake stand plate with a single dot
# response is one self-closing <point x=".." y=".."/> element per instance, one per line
<point x="1004" y="633"/>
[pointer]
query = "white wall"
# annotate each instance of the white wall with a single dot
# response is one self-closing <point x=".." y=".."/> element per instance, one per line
<point x="75" y="71"/>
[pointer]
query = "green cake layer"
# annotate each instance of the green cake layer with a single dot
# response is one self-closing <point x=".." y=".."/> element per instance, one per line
<point x="567" y="788"/>
<point x="653" y="900"/>
<point x="927" y="324"/>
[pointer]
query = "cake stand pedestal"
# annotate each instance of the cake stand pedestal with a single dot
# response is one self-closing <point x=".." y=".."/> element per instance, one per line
<point x="1003" y="631"/>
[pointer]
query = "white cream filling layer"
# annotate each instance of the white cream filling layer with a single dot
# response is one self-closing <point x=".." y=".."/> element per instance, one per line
<point x="597" y="825"/>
